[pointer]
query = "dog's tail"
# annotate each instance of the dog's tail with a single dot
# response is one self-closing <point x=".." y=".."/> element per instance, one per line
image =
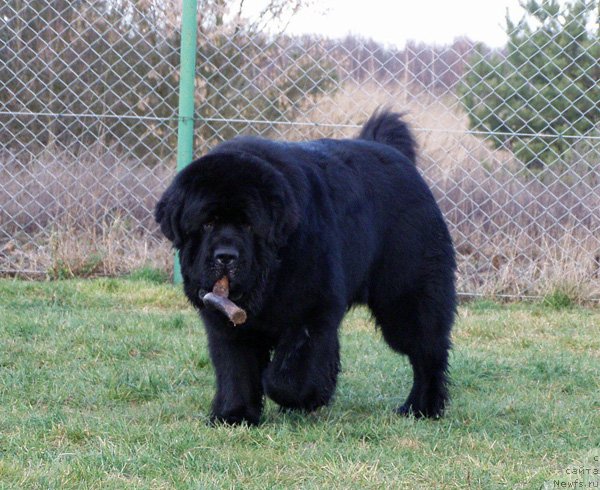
<point x="387" y="127"/>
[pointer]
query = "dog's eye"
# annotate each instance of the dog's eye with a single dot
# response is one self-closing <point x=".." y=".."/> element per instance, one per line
<point x="208" y="225"/>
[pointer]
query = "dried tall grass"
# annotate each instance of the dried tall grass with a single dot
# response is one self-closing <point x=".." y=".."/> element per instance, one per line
<point x="90" y="213"/>
<point x="84" y="214"/>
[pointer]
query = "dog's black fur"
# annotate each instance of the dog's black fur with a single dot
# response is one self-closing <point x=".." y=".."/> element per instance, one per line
<point x="304" y="231"/>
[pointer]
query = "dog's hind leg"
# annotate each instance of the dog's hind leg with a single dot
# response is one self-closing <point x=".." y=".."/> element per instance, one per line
<point x="419" y="325"/>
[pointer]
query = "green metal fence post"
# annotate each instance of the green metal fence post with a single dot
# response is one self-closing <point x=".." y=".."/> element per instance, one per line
<point x="187" y="71"/>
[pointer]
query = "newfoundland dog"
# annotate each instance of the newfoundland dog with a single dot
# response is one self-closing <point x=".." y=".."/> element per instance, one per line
<point x="302" y="232"/>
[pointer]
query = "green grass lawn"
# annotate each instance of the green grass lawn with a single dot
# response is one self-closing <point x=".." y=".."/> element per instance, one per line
<point x="107" y="384"/>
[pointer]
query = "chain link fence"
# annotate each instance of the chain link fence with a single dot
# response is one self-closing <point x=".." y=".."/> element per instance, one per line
<point x="509" y="138"/>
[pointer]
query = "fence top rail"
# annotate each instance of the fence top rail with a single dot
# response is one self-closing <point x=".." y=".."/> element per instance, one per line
<point x="589" y="137"/>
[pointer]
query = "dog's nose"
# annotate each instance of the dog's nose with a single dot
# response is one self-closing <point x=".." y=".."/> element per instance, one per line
<point x="226" y="255"/>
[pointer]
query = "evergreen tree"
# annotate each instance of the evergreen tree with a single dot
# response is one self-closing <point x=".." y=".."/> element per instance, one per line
<point x="541" y="94"/>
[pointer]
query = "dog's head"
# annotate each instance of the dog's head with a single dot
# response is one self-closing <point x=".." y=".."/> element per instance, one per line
<point x="228" y="214"/>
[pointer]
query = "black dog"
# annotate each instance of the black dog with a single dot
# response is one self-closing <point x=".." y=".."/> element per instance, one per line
<point x="304" y="231"/>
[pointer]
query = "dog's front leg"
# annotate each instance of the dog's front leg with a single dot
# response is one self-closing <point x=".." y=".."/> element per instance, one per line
<point x="239" y="363"/>
<point x="303" y="372"/>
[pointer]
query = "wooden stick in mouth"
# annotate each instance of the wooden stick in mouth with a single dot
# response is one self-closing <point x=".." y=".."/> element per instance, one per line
<point x="218" y="299"/>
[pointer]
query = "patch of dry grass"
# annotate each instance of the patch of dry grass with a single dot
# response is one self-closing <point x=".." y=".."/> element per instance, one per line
<point x="84" y="214"/>
<point x="516" y="233"/>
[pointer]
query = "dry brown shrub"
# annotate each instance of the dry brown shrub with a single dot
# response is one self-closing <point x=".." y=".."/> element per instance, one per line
<point x="88" y="214"/>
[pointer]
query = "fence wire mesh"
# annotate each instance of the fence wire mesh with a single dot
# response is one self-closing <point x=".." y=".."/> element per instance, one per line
<point x="509" y="138"/>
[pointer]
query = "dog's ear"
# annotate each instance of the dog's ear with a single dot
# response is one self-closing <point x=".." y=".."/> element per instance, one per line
<point x="167" y="214"/>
